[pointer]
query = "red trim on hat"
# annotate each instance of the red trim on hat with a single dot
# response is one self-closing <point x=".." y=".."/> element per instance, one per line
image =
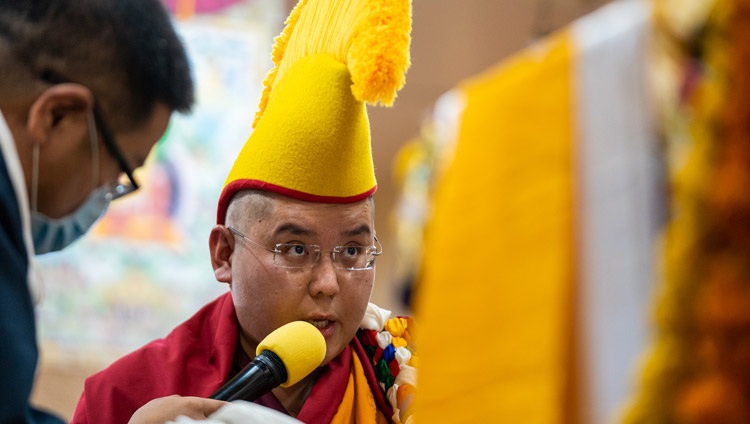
<point x="238" y="185"/>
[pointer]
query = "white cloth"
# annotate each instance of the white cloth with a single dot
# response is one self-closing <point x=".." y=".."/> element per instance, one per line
<point x="241" y="412"/>
<point x="619" y="200"/>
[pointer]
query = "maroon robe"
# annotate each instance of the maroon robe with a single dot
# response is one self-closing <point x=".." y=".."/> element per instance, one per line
<point x="195" y="359"/>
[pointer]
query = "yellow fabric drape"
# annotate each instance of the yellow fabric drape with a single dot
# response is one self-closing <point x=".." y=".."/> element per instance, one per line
<point x="493" y="301"/>
<point x="358" y="403"/>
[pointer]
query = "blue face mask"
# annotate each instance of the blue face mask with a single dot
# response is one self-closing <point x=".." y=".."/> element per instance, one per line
<point x="50" y="234"/>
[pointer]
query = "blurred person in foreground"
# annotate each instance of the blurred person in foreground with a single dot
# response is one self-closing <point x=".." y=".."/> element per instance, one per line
<point x="87" y="88"/>
<point x="295" y="236"/>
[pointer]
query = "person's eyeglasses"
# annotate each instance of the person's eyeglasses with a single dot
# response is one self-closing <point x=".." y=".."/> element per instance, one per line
<point x="300" y="256"/>
<point x="120" y="188"/>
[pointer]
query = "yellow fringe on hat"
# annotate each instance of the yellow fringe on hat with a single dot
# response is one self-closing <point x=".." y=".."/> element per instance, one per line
<point x="370" y="36"/>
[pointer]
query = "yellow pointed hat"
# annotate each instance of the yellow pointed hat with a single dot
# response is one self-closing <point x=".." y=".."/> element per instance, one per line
<point x="311" y="137"/>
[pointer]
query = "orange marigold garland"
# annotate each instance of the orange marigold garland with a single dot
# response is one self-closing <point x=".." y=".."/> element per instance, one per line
<point x="719" y="392"/>
<point x="698" y="370"/>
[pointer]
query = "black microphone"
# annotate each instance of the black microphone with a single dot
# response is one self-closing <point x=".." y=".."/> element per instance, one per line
<point x="284" y="357"/>
<point x="261" y="375"/>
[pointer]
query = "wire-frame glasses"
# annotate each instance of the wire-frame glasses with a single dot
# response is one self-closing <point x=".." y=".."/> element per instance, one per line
<point x="301" y="256"/>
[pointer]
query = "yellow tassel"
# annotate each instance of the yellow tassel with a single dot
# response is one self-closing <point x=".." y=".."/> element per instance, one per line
<point x="379" y="56"/>
<point x="277" y="54"/>
<point x="371" y="37"/>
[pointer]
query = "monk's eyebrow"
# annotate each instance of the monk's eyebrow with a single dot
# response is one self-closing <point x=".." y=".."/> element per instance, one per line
<point x="294" y="229"/>
<point x="362" y="229"/>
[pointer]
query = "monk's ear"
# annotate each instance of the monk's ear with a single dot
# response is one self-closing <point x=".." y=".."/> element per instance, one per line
<point x="221" y="245"/>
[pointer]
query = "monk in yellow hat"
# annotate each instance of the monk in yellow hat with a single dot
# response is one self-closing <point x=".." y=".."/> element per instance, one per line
<point x="295" y="237"/>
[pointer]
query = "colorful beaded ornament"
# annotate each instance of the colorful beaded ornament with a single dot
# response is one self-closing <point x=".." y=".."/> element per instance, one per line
<point x="389" y="345"/>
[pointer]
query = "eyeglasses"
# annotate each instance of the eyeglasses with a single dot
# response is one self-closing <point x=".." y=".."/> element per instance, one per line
<point x="120" y="188"/>
<point x="300" y="256"/>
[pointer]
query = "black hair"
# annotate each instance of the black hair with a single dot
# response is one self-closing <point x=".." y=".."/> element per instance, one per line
<point x="125" y="51"/>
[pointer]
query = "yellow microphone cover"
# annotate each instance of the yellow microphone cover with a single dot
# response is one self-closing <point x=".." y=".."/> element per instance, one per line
<point x="299" y="345"/>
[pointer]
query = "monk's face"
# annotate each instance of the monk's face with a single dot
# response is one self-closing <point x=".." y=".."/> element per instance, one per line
<point x="267" y="296"/>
